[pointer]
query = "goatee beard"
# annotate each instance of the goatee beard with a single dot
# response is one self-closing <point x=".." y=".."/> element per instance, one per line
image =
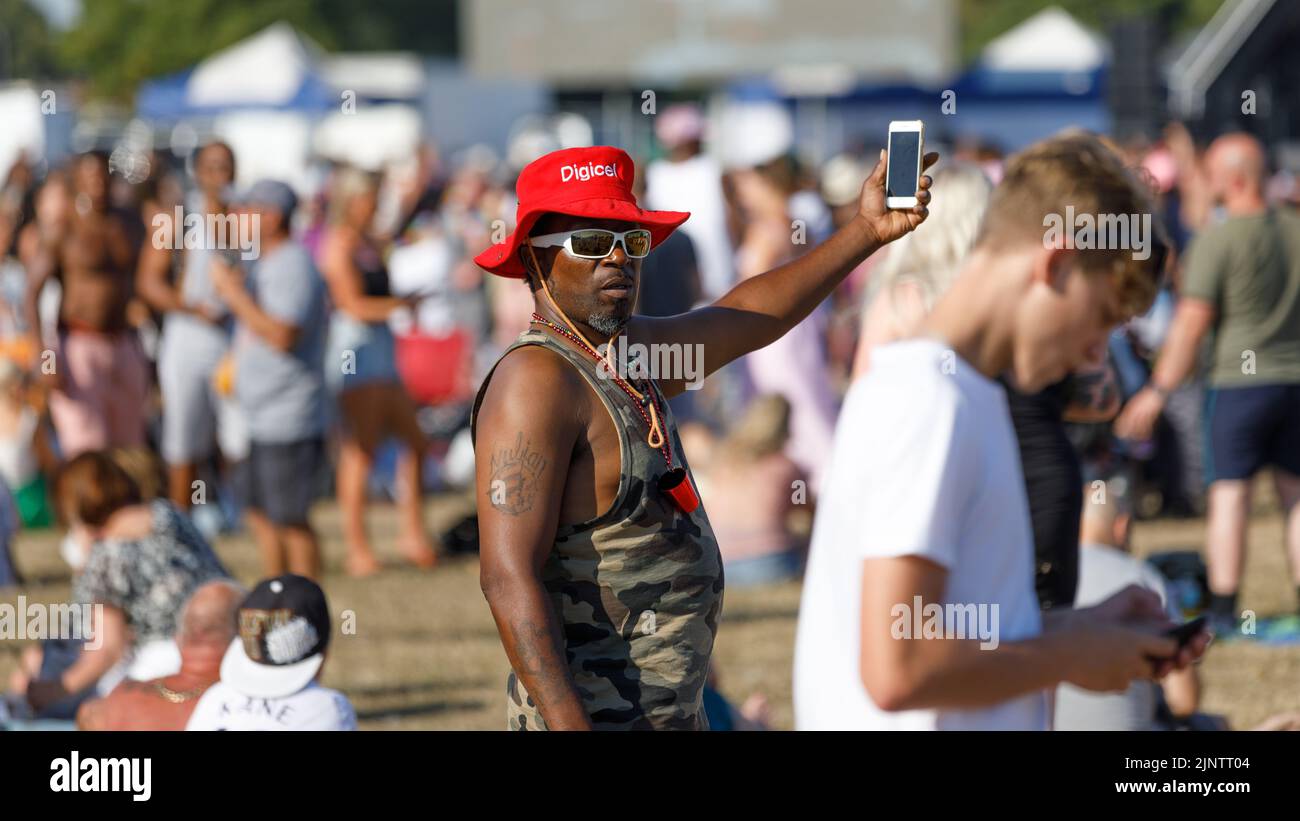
<point x="607" y="324"/>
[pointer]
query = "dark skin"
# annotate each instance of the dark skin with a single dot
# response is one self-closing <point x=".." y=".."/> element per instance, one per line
<point x="554" y="459"/>
<point x="95" y="261"/>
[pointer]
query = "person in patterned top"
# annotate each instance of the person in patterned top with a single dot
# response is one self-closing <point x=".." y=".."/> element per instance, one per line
<point x="143" y="560"/>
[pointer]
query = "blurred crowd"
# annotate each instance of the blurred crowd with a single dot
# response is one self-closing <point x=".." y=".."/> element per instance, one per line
<point x="166" y="394"/>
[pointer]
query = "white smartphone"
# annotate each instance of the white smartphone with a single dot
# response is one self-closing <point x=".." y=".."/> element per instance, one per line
<point x="903" y="171"/>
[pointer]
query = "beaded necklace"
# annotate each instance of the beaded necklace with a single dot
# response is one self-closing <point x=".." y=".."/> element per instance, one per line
<point x="647" y="403"/>
<point x="675" y="483"/>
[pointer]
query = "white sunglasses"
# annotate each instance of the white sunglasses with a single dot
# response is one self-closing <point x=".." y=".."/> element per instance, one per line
<point x="597" y="243"/>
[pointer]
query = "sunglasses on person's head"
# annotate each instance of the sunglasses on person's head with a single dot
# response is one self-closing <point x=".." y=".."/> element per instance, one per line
<point x="596" y="243"/>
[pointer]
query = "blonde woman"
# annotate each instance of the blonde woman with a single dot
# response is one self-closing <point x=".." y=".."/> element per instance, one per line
<point x="919" y="267"/>
<point x="362" y="371"/>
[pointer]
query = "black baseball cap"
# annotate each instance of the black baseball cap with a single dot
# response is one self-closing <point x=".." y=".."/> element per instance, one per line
<point x="284" y="628"/>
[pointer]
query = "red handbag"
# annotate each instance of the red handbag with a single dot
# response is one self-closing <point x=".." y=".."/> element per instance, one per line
<point x="435" y="369"/>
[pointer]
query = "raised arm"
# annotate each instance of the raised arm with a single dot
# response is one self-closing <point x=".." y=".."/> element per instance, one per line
<point x="526" y="431"/>
<point x="761" y="309"/>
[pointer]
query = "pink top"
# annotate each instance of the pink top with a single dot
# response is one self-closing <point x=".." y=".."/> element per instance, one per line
<point x="748" y="503"/>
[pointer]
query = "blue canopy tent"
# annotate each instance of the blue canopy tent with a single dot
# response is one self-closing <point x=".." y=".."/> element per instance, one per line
<point x="276" y="69"/>
<point x="166" y="99"/>
<point x="1043" y="75"/>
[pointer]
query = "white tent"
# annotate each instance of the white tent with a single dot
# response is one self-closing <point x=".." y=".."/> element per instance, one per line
<point x="269" y="68"/>
<point x="380" y="75"/>
<point x="275" y="144"/>
<point x="1050" y="41"/>
<point x="370" y="137"/>
<point x="24" y="131"/>
<point x="277" y="99"/>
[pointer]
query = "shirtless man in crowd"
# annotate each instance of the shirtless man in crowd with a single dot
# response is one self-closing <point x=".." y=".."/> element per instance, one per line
<point x="99" y="373"/>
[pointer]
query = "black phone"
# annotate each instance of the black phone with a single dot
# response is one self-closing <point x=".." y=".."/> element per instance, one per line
<point x="1185" y="632"/>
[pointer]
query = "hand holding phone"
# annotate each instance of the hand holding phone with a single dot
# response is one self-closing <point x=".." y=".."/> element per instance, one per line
<point x="903" y="173"/>
<point x="1184" y="633"/>
<point x="878" y="212"/>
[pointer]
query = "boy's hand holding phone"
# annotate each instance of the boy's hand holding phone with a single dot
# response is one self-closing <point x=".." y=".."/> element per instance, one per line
<point x="1138" y="608"/>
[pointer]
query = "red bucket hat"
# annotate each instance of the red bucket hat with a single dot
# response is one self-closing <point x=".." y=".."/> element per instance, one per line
<point x="591" y="182"/>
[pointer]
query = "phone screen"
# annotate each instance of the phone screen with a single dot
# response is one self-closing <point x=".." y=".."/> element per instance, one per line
<point x="904" y="146"/>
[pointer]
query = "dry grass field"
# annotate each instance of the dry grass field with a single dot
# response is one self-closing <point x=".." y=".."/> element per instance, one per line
<point x="425" y="654"/>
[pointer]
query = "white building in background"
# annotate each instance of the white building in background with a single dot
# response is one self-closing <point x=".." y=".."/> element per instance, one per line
<point x="807" y="49"/>
<point x="23" y="133"/>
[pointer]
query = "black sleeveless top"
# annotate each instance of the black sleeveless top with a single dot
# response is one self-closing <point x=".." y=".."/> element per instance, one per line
<point x="1054" y="487"/>
<point x="374" y="274"/>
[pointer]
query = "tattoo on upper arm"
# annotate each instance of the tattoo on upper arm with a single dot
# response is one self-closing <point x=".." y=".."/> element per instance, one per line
<point x="516" y="471"/>
<point x="1095" y="390"/>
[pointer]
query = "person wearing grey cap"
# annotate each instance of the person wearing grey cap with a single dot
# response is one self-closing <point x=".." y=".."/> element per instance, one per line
<point x="279" y="379"/>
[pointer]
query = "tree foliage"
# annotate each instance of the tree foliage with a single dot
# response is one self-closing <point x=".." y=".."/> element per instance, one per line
<point x="26" y="48"/>
<point x="117" y="44"/>
<point x="983" y="20"/>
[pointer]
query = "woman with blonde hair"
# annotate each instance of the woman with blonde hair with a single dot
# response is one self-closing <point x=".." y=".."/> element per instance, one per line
<point x="919" y="267"/>
<point x="362" y="371"/>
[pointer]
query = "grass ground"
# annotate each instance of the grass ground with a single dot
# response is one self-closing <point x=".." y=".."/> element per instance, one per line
<point x="425" y="653"/>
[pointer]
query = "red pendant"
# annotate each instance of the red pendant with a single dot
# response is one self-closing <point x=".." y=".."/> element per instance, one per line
<point x="677" y="484"/>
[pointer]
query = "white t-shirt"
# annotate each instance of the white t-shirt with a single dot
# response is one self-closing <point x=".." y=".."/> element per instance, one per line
<point x="424" y="265"/>
<point x="311" y="708"/>
<point x="925" y="464"/>
<point x="1104" y="571"/>
<point x="695" y="185"/>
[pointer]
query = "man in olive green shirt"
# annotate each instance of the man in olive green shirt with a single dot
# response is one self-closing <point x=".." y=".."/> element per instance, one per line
<point x="1241" y="288"/>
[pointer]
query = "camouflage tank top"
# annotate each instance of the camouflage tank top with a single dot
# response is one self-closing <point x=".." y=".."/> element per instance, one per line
<point x="637" y="590"/>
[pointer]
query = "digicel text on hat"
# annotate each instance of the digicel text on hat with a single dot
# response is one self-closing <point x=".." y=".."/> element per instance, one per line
<point x="586" y="172"/>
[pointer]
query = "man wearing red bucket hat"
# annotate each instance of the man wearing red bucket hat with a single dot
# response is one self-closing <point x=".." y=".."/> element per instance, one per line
<point x="597" y="558"/>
